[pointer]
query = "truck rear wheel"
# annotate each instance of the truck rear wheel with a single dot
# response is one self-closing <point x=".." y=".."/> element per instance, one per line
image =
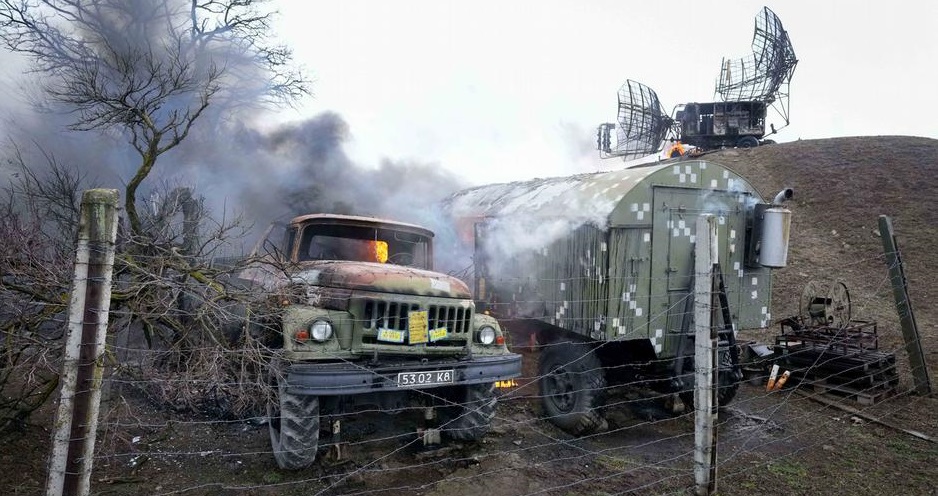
<point x="727" y="382"/>
<point x="572" y="387"/>
<point x="471" y="418"/>
<point x="293" y="422"/>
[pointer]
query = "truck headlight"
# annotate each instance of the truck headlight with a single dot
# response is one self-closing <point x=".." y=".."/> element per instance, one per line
<point x="320" y="330"/>
<point x="487" y="335"/>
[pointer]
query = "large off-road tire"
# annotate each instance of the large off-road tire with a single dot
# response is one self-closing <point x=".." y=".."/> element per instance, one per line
<point x="747" y="142"/>
<point x="572" y="386"/>
<point x="471" y="418"/>
<point x="727" y="382"/>
<point x="294" y="428"/>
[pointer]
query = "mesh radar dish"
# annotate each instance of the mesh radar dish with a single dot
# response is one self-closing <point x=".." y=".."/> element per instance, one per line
<point x="764" y="75"/>
<point x="642" y="124"/>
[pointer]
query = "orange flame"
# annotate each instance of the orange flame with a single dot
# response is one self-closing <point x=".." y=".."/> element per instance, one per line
<point x="381" y="251"/>
<point x="677" y="148"/>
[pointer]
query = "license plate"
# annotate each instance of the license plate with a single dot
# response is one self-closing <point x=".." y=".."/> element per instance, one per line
<point x="409" y="379"/>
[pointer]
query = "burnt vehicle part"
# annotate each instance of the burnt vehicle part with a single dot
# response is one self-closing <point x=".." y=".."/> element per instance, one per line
<point x="715" y="125"/>
<point x="366" y="322"/>
<point x="746" y="89"/>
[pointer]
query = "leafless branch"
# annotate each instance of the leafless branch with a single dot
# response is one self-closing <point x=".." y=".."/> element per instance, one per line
<point x="150" y="68"/>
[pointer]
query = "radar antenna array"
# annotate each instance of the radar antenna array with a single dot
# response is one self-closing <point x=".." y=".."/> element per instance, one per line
<point x="747" y="88"/>
<point x="642" y="124"/>
<point x="766" y="73"/>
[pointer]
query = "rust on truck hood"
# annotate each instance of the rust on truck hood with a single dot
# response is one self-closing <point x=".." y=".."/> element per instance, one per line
<point x="385" y="278"/>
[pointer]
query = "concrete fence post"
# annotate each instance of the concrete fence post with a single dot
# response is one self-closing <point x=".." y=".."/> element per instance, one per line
<point x="705" y="339"/>
<point x="76" y="419"/>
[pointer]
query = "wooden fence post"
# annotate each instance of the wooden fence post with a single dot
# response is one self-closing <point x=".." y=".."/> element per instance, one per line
<point x="76" y="419"/>
<point x="900" y="290"/>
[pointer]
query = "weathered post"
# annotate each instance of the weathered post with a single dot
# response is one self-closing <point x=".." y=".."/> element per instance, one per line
<point x="82" y="366"/>
<point x="900" y="290"/>
<point x="705" y="339"/>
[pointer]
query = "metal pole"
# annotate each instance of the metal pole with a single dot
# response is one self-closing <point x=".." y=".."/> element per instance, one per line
<point x="706" y="255"/>
<point x="77" y="416"/>
<point x="900" y="290"/>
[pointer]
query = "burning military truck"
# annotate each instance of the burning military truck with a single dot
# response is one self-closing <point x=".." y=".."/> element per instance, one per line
<point x="599" y="268"/>
<point x="366" y="323"/>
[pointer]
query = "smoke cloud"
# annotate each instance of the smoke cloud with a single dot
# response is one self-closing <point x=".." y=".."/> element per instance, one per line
<point x="226" y="159"/>
<point x="266" y="176"/>
<point x="302" y="167"/>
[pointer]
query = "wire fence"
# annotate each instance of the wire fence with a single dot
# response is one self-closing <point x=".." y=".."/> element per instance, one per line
<point x="767" y="438"/>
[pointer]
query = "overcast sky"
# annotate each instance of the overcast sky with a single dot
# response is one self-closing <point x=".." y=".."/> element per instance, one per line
<point x="503" y="90"/>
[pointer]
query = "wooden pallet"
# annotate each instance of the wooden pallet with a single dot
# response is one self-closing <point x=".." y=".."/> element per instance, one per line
<point x="852" y="377"/>
<point x="862" y="396"/>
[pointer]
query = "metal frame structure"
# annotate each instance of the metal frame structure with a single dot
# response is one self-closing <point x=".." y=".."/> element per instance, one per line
<point x="765" y="74"/>
<point x="642" y="124"/>
<point x="746" y="88"/>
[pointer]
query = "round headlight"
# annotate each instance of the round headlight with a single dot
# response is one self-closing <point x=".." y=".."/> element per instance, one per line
<point x="320" y="330"/>
<point x="487" y="335"/>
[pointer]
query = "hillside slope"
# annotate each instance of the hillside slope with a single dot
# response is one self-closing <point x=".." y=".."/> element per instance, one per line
<point x="842" y="186"/>
<point x="770" y="443"/>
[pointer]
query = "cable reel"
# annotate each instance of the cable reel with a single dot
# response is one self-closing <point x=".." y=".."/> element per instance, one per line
<point x="825" y="306"/>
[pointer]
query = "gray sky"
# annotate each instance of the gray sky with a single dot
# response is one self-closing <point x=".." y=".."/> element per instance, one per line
<point x="504" y="90"/>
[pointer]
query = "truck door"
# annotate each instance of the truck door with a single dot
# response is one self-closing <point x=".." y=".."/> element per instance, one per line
<point x="672" y="264"/>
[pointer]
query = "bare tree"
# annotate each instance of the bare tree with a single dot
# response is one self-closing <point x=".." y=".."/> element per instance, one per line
<point x="37" y="213"/>
<point x="150" y="68"/>
<point x="148" y="71"/>
<point x="181" y="330"/>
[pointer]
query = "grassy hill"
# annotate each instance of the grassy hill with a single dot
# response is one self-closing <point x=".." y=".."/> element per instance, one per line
<point x="842" y="186"/>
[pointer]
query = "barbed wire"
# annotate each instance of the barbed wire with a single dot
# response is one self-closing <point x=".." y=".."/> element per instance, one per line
<point x="531" y="422"/>
<point x="596" y="452"/>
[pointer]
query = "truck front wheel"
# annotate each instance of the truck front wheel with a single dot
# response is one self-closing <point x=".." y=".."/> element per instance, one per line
<point x="293" y="422"/>
<point x="572" y="387"/>
<point x="471" y="417"/>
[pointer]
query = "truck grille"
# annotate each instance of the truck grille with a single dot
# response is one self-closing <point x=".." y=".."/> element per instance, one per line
<point x="380" y="314"/>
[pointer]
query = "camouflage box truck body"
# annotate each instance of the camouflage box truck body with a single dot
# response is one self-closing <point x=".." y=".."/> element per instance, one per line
<point x="604" y="261"/>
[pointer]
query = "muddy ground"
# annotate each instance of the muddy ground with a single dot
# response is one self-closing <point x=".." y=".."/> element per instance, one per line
<point x="770" y="443"/>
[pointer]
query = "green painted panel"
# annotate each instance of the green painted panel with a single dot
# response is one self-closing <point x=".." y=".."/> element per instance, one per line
<point x="629" y="270"/>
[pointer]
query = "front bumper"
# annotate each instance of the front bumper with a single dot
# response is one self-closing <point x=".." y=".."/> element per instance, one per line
<point x="345" y="378"/>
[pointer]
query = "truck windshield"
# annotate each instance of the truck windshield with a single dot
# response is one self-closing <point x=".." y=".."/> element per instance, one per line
<point x="364" y="244"/>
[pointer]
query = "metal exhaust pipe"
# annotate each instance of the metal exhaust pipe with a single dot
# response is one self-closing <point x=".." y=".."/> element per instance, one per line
<point x="783" y="195"/>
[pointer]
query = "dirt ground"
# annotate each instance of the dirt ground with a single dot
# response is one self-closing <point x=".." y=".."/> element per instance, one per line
<point x="776" y="443"/>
